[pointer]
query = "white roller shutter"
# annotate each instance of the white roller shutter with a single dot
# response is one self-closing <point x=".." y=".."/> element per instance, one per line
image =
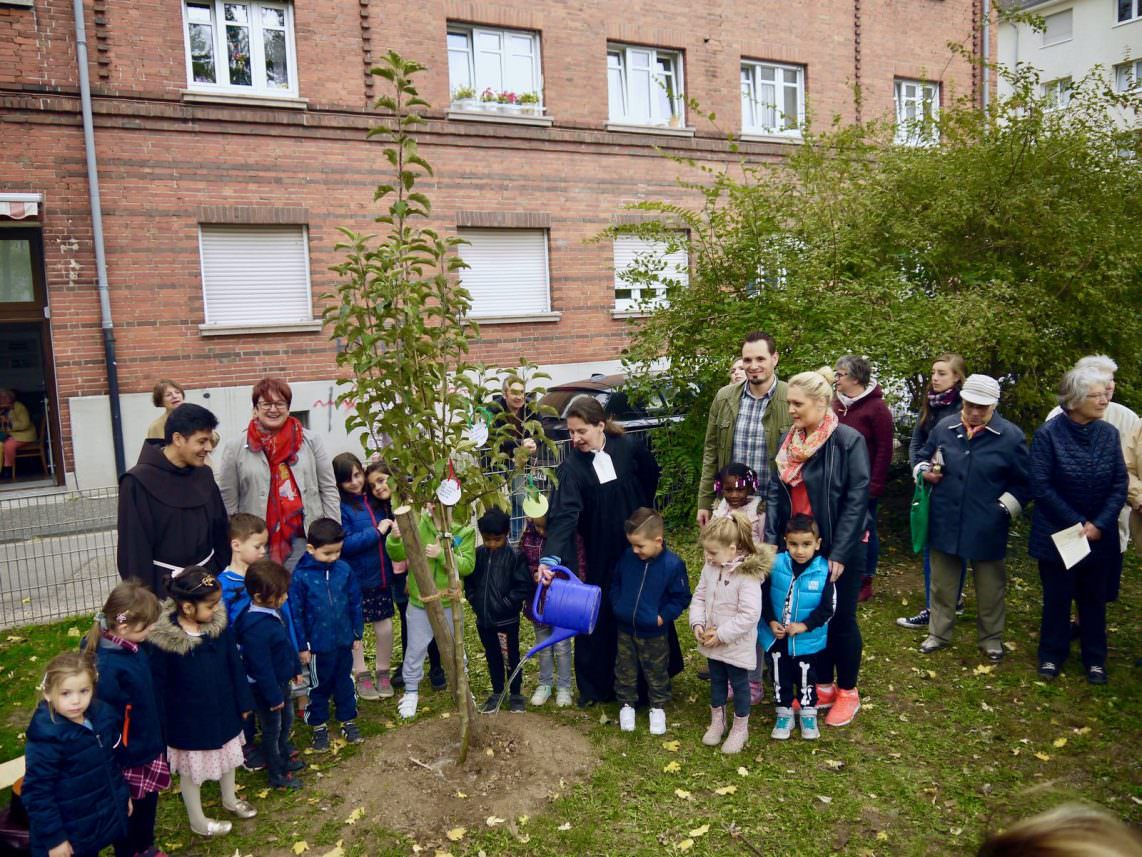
<point x="628" y="248"/>
<point x="255" y="274"/>
<point x="507" y="273"/>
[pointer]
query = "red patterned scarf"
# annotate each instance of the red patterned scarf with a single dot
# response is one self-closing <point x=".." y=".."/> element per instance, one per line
<point x="285" y="512"/>
<point x="799" y="447"/>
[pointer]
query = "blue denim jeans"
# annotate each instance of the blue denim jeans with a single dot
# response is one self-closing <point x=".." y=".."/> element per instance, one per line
<point x="276" y="727"/>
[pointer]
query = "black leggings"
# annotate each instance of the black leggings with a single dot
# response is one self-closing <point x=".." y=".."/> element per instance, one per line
<point x="843" y="651"/>
<point x="140" y="827"/>
<point x="498" y="671"/>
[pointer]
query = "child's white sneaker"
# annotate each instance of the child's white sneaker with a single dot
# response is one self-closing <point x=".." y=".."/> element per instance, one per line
<point x="541" y="695"/>
<point x="563" y="698"/>
<point x="809" y="730"/>
<point x="626" y="719"/>
<point x="657" y="721"/>
<point x="406" y="708"/>
<point x="783" y="728"/>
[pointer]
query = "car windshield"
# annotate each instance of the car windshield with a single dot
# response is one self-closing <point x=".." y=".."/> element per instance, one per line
<point x="560" y="400"/>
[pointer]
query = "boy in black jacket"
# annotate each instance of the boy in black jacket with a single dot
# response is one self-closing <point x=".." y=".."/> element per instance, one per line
<point x="496" y="589"/>
<point x="271" y="662"/>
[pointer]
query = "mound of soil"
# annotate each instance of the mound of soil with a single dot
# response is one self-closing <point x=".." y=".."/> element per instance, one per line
<point x="407" y="780"/>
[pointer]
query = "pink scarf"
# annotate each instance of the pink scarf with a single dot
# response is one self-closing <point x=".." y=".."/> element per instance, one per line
<point x="799" y="447"/>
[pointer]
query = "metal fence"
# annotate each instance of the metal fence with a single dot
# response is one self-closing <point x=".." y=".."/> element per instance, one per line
<point x="57" y="551"/>
<point x="57" y="555"/>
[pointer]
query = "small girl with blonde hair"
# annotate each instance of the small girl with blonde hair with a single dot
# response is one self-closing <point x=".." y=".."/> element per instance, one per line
<point x="723" y="617"/>
<point x="125" y="684"/>
<point x="77" y="803"/>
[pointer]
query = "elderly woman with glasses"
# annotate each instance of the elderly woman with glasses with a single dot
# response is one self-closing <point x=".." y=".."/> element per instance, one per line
<point x="279" y="471"/>
<point x="1078" y="480"/>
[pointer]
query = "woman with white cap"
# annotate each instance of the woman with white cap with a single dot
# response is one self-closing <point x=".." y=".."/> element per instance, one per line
<point x="977" y="465"/>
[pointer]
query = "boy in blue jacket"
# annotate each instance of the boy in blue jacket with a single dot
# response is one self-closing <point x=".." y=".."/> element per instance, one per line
<point x="649" y="590"/>
<point x="329" y="623"/>
<point x="797" y="602"/>
<point x="271" y="662"/>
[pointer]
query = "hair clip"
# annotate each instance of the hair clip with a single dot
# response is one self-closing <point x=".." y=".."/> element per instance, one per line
<point x="121" y="618"/>
<point x="101" y="620"/>
<point x="208" y="580"/>
<point x="43" y="685"/>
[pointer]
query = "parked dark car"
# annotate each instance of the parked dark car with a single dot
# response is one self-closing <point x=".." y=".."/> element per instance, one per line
<point x="663" y="406"/>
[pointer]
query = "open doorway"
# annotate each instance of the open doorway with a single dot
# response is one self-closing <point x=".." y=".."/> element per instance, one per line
<point x="28" y="411"/>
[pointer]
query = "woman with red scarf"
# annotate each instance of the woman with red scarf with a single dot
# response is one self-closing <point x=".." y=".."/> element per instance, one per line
<point x="279" y="471"/>
<point x="822" y="470"/>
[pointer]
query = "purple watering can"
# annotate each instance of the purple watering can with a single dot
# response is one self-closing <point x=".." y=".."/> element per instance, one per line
<point x="569" y="606"/>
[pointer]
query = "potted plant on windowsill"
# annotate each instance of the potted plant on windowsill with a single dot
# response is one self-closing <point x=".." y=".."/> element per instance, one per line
<point x="529" y="104"/>
<point x="464" y="98"/>
<point x="509" y="103"/>
<point x="489" y="100"/>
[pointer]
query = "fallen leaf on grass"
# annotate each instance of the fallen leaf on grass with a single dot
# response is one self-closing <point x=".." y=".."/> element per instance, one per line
<point x="14" y="639"/>
<point x="684" y="845"/>
<point x="263" y="794"/>
<point x="1059" y="742"/>
<point x="983" y="669"/>
<point x="1042" y="757"/>
<point x="671" y="746"/>
<point x="682" y="793"/>
<point x="930" y="673"/>
<point x="564" y="826"/>
<point x="300" y="847"/>
<point x="456" y="834"/>
<point x="440" y="853"/>
<point x="882" y="835"/>
<point x="73" y="632"/>
<point x="825" y="799"/>
<point x="461" y="795"/>
<point x="743" y="771"/>
<point x="356" y="815"/>
<point x="493" y="820"/>
<point x="834" y="764"/>
<point x="1011" y="647"/>
<point x="726" y="790"/>
<point x="1082" y="730"/>
<point x="699" y="831"/>
<point x="337" y="850"/>
<point x="444" y="715"/>
<point x="489" y="752"/>
<point x="523" y="819"/>
<point x="604" y="720"/>
<point x="671" y="767"/>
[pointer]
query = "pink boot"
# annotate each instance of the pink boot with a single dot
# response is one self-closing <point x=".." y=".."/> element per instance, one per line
<point x="739" y="734"/>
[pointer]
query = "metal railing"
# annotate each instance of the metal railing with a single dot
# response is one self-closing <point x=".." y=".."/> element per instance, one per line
<point x="57" y="555"/>
<point x="57" y="551"/>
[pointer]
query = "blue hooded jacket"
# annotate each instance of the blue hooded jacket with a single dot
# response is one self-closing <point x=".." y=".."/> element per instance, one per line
<point x="73" y="790"/>
<point x="364" y="547"/>
<point x="326" y="600"/>
<point x="643" y="590"/>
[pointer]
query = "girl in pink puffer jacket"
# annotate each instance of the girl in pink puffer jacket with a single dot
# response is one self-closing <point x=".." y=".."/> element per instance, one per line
<point x="723" y="617"/>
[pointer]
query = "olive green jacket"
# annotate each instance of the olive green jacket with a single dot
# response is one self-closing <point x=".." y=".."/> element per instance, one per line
<point x="718" y="449"/>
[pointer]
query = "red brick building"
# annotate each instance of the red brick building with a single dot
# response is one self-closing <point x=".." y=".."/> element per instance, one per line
<point x="230" y="141"/>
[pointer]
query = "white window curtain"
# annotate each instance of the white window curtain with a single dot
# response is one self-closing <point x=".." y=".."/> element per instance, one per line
<point x="507" y="273"/>
<point x="630" y="250"/>
<point x="255" y="275"/>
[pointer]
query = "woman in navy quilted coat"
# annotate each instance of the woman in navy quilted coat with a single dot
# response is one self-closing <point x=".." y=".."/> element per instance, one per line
<point x="1078" y="476"/>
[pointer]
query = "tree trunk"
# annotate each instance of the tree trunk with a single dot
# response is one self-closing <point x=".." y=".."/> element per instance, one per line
<point x="451" y="655"/>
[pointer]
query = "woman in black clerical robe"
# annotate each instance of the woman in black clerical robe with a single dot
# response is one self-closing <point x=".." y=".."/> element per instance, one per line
<point x="603" y="479"/>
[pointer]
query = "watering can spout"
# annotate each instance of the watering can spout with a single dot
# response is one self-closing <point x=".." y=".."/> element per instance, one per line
<point x="569" y="606"/>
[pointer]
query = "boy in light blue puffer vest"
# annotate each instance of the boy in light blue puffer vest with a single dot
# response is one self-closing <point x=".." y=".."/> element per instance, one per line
<point x="797" y="602"/>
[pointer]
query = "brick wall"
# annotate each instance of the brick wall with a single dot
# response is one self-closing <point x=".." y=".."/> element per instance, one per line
<point x="168" y="164"/>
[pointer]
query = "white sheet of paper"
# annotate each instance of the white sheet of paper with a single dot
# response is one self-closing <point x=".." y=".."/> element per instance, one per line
<point x="604" y="468"/>
<point x="1072" y="545"/>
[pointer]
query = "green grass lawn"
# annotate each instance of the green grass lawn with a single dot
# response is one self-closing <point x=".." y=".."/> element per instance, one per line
<point x="944" y="750"/>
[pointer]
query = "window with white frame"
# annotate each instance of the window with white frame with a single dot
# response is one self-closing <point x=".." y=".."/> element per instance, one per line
<point x="773" y="98"/>
<point x="245" y="48"/>
<point x="507" y="273"/>
<point x="1058" y="28"/>
<point x="917" y="109"/>
<point x="645" y="268"/>
<point x="1128" y="10"/>
<point x="1127" y="75"/>
<point x="644" y="86"/>
<point x="1057" y="93"/>
<point x="255" y="275"/>
<point x="488" y="67"/>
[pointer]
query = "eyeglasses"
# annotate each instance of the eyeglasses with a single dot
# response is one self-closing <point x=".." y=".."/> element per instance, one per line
<point x="1099" y="397"/>
<point x="273" y="406"/>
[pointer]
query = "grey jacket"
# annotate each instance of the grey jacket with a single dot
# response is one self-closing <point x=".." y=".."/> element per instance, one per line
<point x="244" y="479"/>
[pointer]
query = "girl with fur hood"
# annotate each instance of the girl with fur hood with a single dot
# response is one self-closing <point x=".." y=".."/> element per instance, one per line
<point x="723" y="617"/>
<point x="203" y="695"/>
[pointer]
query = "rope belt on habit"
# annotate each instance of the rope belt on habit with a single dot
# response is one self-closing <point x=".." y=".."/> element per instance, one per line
<point x="174" y="568"/>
